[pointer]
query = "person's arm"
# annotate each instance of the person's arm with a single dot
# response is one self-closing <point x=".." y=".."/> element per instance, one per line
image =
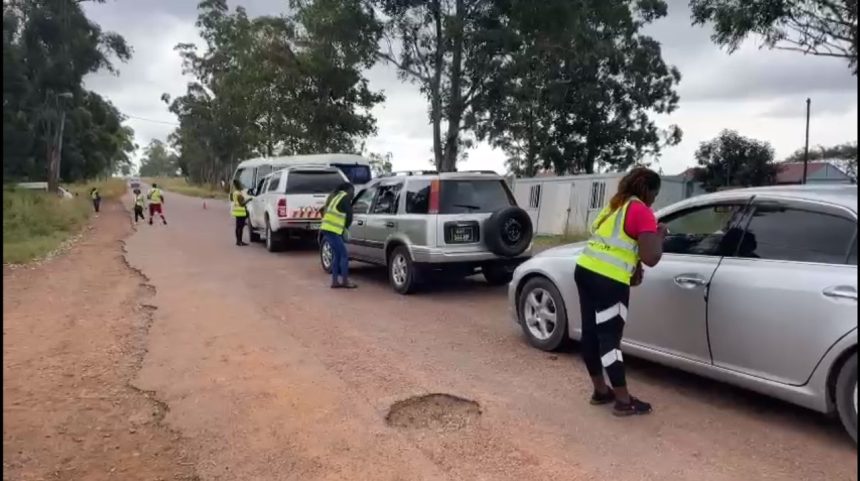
<point x="642" y="226"/>
<point x="345" y="206"/>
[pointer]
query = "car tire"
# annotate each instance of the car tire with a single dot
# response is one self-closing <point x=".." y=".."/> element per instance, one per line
<point x="273" y="244"/>
<point x="508" y="232"/>
<point x="497" y="275"/>
<point x="326" y="254"/>
<point x="542" y="330"/>
<point x="846" y="395"/>
<point x="253" y="235"/>
<point x="402" y="273"/>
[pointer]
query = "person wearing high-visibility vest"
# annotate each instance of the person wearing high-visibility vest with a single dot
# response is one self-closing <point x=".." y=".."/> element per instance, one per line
<point x="139" y="204"/>
<point x="238" y="201"/>
<point x="156" y="201"/>
<point x="624" y="236"/>
<point x="337" y="217"/>
<point x="96" y="198"/>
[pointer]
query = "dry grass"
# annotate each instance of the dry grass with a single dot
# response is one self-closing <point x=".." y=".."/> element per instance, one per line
<point x="181" y="186"/>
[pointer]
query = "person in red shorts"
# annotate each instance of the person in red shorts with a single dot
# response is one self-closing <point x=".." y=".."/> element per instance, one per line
<point x="623" y="237"/>
<point x="156" y="201"/>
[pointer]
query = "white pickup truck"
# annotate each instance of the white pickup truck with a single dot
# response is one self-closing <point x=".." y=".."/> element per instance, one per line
<point x="288" y="203"/>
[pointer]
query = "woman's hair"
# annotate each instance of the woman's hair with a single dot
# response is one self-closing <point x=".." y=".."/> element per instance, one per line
<point x="237" y="184"/>
<point x="639" y="182"/>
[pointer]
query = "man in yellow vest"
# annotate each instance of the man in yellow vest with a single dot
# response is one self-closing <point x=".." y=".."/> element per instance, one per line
<point x="156" y="200"/>
<point x="238" y="201"/>
<point x="337" y="217"/>
<point x="624" y="236"/>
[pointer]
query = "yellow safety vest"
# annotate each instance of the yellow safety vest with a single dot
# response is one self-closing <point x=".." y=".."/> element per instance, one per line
<point x="610" y="251"/>
<point x="95" y="194"/>
<point x="139" y="199"/>
<point x="155" y="196"/>
<point x="334" y="220"/>
<point x="238" y="209"/>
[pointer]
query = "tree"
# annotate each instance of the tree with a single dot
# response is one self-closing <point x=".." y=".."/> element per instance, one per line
<point x="576" y="86"/>
<point x="815" y="27"/>
<point x="843" y="156"/>
<point x="157" y="161"/>
<point x="732" y="160"/>
<point x="380" y="164"/>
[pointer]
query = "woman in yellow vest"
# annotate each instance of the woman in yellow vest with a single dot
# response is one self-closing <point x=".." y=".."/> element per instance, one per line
<point x="96" y="198"/>
<point x="624" y="236"/>
<point x="337" y="217"/>
<point x="238" y="202"/>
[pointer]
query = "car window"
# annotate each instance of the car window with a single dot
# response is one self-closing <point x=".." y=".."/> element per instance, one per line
<point x="263" y="170"/>
<point x="260" y="187"/>
<point x="357" y="174"/>
<point x="418" y="197"/>
<point x="705" y="230"/>
<point x="473" y="196"/>
<point x="783" y="233"/>
<point x="387" y="199"/>
<point x="313" y="181"/>
<point x="361" y="204"/>
<point x="245" y="177"/>
<point x="273" y="183"/>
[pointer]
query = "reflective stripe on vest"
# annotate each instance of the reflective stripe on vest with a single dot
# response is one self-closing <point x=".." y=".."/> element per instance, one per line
<point x="238" y="209"/>
<point x="610" y="251"/>
<point x="334" y="220"/>
<point x="155" y="196"/>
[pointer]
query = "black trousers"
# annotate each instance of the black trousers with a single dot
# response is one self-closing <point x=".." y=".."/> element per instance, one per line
<point x="138" y="213"/>
<point x="240" y="228"/>
<point x="96" y="204"/>
<point x="603" y="305"/>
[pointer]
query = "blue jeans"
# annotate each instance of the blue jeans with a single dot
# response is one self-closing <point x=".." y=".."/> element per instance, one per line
<point x="339" y="259"/>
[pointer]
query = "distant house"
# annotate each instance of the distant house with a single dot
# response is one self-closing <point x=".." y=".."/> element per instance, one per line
<point x="819" y="172"/>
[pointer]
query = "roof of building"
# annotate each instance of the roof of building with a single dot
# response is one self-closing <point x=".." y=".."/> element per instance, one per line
<point x="792" y="172"/>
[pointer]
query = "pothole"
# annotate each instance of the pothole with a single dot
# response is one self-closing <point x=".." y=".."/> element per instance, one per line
<point x="433" y="411"/>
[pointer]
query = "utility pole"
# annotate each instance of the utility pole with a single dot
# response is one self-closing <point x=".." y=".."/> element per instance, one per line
<point x="806" y="148"/>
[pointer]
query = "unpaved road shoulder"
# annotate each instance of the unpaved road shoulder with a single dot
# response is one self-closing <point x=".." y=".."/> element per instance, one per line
<point x="74" y="333"/>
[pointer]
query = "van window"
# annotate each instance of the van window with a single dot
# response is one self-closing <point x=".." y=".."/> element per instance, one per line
<point x="263" y="171"/>
<point x="357" y="174"/>
<point x="245" y="177"/>
<point x="313" y="181"/>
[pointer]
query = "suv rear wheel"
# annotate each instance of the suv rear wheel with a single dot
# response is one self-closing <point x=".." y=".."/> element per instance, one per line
<point x="497" y="274"/>
<point x="402" y="272"/>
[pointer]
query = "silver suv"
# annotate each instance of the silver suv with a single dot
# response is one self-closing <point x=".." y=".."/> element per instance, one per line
<point x="420" y="223"/>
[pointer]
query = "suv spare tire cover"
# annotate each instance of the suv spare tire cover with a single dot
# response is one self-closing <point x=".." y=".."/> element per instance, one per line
<point x="508" y="232"/>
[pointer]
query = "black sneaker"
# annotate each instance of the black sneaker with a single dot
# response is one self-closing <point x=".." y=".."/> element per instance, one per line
<point x="634" y="408"/>
<point x="598" y="399"/>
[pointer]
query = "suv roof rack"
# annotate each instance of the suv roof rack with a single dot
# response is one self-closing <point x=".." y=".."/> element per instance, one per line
<point x="478" y="172"/>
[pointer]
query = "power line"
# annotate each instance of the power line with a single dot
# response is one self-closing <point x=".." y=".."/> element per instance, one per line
<point x="151" y="120"/>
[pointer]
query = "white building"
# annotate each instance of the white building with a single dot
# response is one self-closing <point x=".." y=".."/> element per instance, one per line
<point x="568" y="204"/>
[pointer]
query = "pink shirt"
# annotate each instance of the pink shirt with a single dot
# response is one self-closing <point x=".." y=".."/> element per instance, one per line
<point x="640" y="220"/>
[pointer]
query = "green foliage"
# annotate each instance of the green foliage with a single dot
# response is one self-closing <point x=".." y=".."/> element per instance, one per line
<point x="274" y="85"/>
<point x="815" y="27"/>
<point x="48" y="47"/>
<point x="158" y="161"/>
<point x="576" y="87"/>
<point x="732" y="160"/>
<point x="380" y="164"/>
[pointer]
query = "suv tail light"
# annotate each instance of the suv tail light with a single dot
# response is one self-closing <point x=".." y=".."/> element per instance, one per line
<point x="434" y="197"/>
<point x="282" y="208"/>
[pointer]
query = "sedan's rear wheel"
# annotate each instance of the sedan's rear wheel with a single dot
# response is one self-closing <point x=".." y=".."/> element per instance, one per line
<point x="542" y="314"/>
<point x="846" y="395"/>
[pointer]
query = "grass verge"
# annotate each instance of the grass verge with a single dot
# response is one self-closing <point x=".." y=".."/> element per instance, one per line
<point x="181" y="186"/>
<point x="36" y="223"/>
<point x="544" y="242"/>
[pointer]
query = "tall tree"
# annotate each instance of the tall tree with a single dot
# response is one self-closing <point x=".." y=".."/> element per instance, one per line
<point x="577" y="86"/>
<point x="158" y="161"/>
<point x="732" y="160"/>
<point x="825" y="28"/>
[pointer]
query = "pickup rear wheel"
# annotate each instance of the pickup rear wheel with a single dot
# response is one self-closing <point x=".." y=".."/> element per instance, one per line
<point x="402" y="272"/>
<point x="253" y="235"/>
<point x="272" y="242"/>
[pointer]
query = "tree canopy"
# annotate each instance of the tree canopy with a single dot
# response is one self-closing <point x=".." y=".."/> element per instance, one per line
<point x="732" y="160"/>
<point x="158" y="161"/>
<point x="48" y="47"/>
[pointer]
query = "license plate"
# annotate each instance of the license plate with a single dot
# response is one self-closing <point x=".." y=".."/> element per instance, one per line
<point x="463" y="234"/>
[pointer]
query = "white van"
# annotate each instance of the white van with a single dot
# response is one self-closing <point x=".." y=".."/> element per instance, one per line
<point x="355" y="167"/>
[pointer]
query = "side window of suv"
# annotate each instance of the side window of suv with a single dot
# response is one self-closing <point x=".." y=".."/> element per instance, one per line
<point x="417" y="196"/>
<point x="778" y="232"/>
<point x="388" y="199"/>
<point x="361" y="204"/>
<point x="707" y="230"/>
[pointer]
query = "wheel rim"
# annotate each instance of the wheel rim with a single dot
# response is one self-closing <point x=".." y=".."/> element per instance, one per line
<point x="398" y="270"/>
<point x="268" y="236"/>
<point x="327" y="255"/>
<point x="540" y="314"/>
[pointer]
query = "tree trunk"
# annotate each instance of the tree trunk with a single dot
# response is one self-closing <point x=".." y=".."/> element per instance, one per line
<point x="435" y="87"/>
<point x="455" y="107"/>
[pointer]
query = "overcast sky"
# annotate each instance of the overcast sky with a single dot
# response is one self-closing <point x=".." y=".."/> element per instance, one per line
<point x="760" y="93"/>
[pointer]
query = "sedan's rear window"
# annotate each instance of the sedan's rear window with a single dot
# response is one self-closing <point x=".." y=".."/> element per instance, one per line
<point x="473" y="196"/>
<point x="313" y="182"/>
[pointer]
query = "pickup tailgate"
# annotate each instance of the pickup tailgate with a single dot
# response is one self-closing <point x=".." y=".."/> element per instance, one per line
<point x="304" y="208"/>
<point x="306" y="193"/>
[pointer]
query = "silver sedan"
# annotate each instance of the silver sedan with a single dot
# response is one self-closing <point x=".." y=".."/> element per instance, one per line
<point x="757" y="287"/>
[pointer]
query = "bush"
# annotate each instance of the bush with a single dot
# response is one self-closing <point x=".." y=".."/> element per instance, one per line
<point x="181" y="186"/>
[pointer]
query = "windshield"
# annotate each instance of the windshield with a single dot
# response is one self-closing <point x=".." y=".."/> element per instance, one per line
<point x="473" y="196"/>
<point x="357" y="174"/>
<point x="313" y="182"/>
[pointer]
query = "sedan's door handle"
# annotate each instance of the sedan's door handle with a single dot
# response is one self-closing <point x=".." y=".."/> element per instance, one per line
<point x="690" y="281"/>
<point x="841" y="292"/>
<point x="359" y="222"/>
<point x="391" y="224"/>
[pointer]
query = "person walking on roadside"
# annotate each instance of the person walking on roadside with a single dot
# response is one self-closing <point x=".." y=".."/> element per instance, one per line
<point x="239" y="211"/>
<point x="139" y="203"/>
<point x="156" y="202"/>
<point x="96" y="198"/>
<point x="624" y="236"/>
<point x="337" y="217"/>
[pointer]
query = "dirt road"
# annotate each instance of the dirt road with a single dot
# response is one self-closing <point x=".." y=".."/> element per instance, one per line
<point x="270" y="375"/>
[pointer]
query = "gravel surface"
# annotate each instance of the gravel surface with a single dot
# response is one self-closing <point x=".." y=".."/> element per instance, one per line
<point x="270" y="375"/>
